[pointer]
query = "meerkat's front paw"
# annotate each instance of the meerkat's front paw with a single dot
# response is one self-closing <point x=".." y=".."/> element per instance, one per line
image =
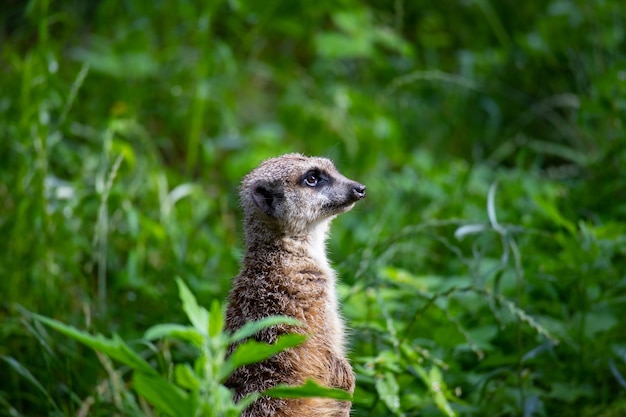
<point x="343" y="376"/>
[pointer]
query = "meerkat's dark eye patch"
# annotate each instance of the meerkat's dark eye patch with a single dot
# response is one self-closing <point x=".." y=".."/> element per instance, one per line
<point x="314" y="178"/>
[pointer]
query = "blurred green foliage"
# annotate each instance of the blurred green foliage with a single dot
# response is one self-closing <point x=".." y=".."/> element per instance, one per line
<point x="196" y="390"/>
<point x="484" y="274"/>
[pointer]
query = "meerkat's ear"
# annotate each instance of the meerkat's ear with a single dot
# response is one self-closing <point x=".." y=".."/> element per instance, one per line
<point x="267" y="196"/>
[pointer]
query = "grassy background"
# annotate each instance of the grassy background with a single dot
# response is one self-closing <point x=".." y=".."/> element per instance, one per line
<point x="125" y="128"/>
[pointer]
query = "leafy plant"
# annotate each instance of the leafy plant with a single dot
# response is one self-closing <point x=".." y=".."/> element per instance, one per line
<point x="197" y="390"/>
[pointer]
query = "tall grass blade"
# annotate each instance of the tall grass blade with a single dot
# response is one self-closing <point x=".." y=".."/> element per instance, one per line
<point x="26" y="374"/>
<point x="116" y="348"/>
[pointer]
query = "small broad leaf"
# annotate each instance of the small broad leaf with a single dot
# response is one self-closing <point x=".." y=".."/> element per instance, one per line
<point x="252" y="351"/>
<point x="253" y="327"/>
<point x="551" y="210"/>
<point x="336" y="45"/>
<point x="597" y="322"/>
<point x="165" y="396"/>
<point x="116" y="348"/>
<point x="388" y="390"/>
<point x="176" y="331"/>
<point x="198" y="316"/>
<point x="438" y="388"/>
<point x="216" y="319"/>
<point x="308" y="390"/>
<point x="186" y="377"/>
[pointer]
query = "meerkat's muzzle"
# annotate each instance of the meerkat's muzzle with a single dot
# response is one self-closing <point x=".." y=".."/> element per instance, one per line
<point x="358" y="190"/>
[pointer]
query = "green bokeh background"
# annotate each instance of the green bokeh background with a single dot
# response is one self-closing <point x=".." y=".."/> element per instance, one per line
<point x="125" y="127"/>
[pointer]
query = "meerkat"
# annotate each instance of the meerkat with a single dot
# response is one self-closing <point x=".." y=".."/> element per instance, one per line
<point x="288" y="204"/>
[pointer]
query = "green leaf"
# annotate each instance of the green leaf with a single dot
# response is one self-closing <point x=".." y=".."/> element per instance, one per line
<point x="438" y="388"/>
<point x="353" y="22"/>
<point x="308" y="390"/>
<point x="116" y="348"/>
<point x="597" y="322"/>
<point x="186" y="377"/>
<point x="569" y="392"/>
<point x="389" y="360"/>
<point x="198" y="316"/>
<point x="252" y="351"/>
<point x="388" y="389"/>
<point x="551" y="210"/>
<point x="336" y="45"/>
<point x="176" y="331"/>
<point x="216" y="319"/>
<point x="165" y="396"/>
<point x="247" y="400"/>
<point x="253" y="327"/>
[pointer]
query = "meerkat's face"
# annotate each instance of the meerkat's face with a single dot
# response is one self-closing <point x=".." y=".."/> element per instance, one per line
<point x="294" y="192"/>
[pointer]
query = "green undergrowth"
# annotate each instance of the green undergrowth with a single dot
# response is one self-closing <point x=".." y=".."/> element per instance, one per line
<point x="483" y="275"/>
<point x="184" y="389"/>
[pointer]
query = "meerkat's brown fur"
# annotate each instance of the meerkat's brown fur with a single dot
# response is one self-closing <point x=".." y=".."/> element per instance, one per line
<point x="288" y="203"/>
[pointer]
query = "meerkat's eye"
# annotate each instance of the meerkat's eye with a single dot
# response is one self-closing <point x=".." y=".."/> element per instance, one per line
<point x="311" y="179"/>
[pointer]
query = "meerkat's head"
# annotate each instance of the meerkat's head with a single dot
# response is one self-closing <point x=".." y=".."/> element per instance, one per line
<point x="293" y="193"/>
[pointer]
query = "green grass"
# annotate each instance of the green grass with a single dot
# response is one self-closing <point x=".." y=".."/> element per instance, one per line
<point x="484" y="273"/>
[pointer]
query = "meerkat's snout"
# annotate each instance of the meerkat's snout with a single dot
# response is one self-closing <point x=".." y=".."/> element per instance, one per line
<point x="343" y="196"/>
<point x="358" y="190"/>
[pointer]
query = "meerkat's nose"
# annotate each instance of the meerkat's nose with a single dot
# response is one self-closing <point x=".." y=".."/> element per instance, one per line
<point x="359" y="191"/>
